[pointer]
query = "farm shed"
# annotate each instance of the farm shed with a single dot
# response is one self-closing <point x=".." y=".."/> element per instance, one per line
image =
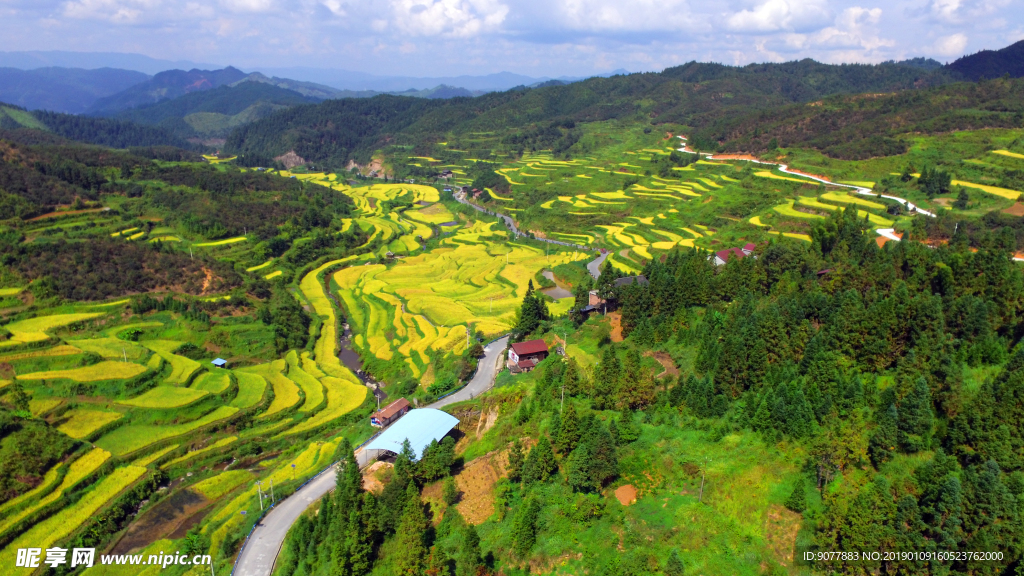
<point x="389" y="413"/>
<point x="220" y="362"/>
<point x="420" y="427"/>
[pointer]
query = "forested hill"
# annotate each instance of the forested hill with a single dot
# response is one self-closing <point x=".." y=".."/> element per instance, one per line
<point x="101" y="131"/>
<point x="992" y="63"/>
<point x="214" y="112"/>
<point x="693" y="94"/>
<point x="857" y="127"/>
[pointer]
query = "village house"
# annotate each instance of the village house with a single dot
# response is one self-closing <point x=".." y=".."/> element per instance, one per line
<point x="602" y="305"/>
<point x="524" y="356"/>
<point x="390" y="413"/>
<point x="722" y="256"/>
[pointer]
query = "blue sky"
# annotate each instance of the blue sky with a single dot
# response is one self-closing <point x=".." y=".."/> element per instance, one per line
<point x="534" y="37"/>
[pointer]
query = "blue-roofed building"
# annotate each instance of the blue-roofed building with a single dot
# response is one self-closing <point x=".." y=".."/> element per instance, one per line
<point x="220" y="362"/>
<point x="420" y="427"/>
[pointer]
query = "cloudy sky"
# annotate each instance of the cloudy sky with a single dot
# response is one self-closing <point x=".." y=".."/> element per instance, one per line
<point x="534" y="37"/>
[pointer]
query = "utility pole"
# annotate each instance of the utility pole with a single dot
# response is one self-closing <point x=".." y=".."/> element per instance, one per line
<point x="124" y="353"/>
<point x="272" y="499"/>
<point x="259" y="489"/>
<point x="703" y="473"/>
<point x="190" y="257"/>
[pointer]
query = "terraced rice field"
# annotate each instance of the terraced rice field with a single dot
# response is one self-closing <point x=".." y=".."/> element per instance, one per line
<point x="106" y="370"/>
<point x="218" y="444"/>
<point x="67" y="520"/>
<point x="251" y="388"/>
<point x="166" y="397"/>
<point x="182" y="368"/>
<point x="81" y="422"/>
<point x="424" y="303"/>
<point x="286" y="392"/>
<point x="35" y="329"/>
<point x="219" y="485"/>
<point x="128" y="439"/>
<point x="77" y="471"/>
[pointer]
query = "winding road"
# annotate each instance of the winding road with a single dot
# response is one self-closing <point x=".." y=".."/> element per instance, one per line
<point x="860" y="189"/>
<point x="260" y="551"/>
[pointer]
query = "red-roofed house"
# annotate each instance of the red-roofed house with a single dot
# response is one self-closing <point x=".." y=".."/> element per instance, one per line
<point x="390" y="413"/>
<point x="722" y="256"/>
<point x="524" y="356"/>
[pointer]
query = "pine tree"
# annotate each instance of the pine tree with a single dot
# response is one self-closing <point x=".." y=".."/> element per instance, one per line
<point x="578" y="469"/>
<point x="515" y="461"/>
<point x="468" y="558"/>
<point x="450" y="493"/>
<point x="674" y="566"/>
<point x="410" y="550"/>
<point x="569" y="431"/>
<point x="349" y="480"/>
<point x="885" y="438"/>
<point x="629" y="429"/>
<point x="540" y="463"/>
<point x="797" y="501"/>
<point x="915" y="416"/>
<point x="524" y="527"/>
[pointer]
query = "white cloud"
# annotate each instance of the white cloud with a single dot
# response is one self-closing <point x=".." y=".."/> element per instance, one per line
<point x="781" y="16"/>
<point x="952" y="45"/>
<point x="116" y="11"/>
<point x="460" y="18"/>
<point x="247" y="5"/>
<point x="959" y="11"/>
<point x="619" y="16"/>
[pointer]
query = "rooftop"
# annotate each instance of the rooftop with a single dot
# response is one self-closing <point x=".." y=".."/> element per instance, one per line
<point x="530" y="347"/>
<point x="420" y="427"/>
<point x="641" y="279"/>
<point x="392" y="409"/>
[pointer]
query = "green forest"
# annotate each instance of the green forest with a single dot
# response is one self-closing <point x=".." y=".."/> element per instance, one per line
<point x="783" y="307"/>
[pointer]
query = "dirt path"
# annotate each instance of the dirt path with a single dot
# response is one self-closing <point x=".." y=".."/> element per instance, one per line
<point x="666" y="362"/>
<point x="616" y="319"/>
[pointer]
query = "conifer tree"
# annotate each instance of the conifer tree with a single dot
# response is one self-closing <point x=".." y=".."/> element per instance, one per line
<point x="468" y="558"/>
<point x="349" y="480"/>
<point x="540" y="463"/>
<point x="628" y="428"/>
<point x="885" y="438"/>
<point x="569" y="430"/>
<point x="450" y="493"/>
<point x="515" y="461"/>
<point x="674" y="566"/>
<point x="524" y="527"/>
<point x="797" y="501"/>
<point x="410" y="547"/>
<point x="578" y="469"/>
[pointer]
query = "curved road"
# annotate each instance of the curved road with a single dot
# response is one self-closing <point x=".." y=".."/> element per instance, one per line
<point x="860" y="189"/>
<point x="260" y="551"/>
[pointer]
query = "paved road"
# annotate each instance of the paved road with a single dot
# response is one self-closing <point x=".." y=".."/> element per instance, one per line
<point x="859" y="189"/>
<point x="484" y="377"/>
<point x="594" y="266"/>
<point x="260" y="552"/>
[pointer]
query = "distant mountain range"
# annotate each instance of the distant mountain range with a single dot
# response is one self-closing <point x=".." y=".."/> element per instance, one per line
<point x="70" y="90"/>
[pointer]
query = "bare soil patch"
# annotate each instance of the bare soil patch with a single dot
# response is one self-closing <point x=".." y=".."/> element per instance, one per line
<point x="626" y="494"/>
<point x="780" y="528"/>
<point x="476" y="486"/>
<point x="290" y="159"/>
<point x="616" y="320"/>
<point x="372" y="477"/>
<point x="666" y="362"/>
<point x="163" y="519"/>
<point x="1016" y="210"/>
